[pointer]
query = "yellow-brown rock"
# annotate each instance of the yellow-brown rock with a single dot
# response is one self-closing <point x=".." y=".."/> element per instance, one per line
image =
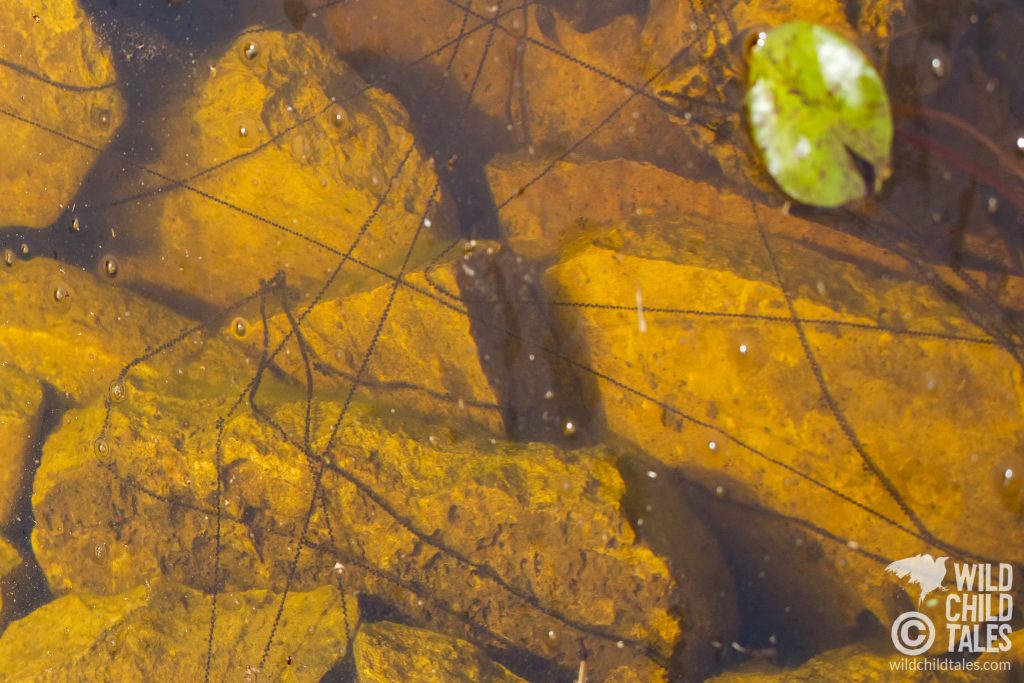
<point x="621" y="78"/>
<point x="21" y="404"/>
<point x="508" y="545"/>
<point x="595" y="196"/>
<point x="55" y="75"/>
<point x="425" y="358"/>
<point x="160" y="631"/>
<point x="278" y="177"/>
<point x="687" y="337"/>
<point x="70" y="329"/>
<point x="387" y="652"/>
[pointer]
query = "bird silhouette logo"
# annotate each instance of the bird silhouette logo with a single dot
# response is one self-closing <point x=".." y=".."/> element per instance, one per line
<point x="924" y="571"/>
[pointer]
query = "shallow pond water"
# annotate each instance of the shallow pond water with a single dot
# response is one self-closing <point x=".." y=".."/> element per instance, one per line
<point x="454" y="340"/>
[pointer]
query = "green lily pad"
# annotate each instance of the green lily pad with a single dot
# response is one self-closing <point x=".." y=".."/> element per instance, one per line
<point x="818" y="114"/>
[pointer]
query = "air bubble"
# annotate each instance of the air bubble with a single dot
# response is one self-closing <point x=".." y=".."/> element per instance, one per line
<point x="993" y="204"/>
<point x="103" y="117"/>
<point x="712" y="445"/>
<point x="8" y="257"/>
<point x="337" y="115"/>
<point x="101" y="448"/>
<point x="117" y="391"/>
<point x="24" y="249"/>
<point x="569" y="429"/>
<point x="239" y="327"/>
<point x="110" y="267"/>
<point x="251" y="51"/>
<point x="60" y="294"/>
<point x="938" y="68"/>
<point x="1020" y="144"/>
<point x="243" y="131"/>
<point x="743" y="348"/>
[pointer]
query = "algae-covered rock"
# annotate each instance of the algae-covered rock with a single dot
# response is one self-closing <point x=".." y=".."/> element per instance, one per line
<point x="57" y="76"/>
<point x="508" y="545"/>
<point x="21" y="404"/>
<point x="284" y="154"/>
<point x="425" y="358"/>
<point x="160" y="632"/>
<point x="680" y="321"/>
<point x="387" y="652"/>
<point x="66" y="327"/>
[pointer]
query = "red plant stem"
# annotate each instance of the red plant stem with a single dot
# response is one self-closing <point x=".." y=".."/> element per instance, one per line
<point x="958" y="159"/>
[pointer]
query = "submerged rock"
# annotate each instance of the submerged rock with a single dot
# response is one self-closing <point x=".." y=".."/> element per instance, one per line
<point x="520" y="546"/>
<point x="274" y="164"/>
<point x="21" y="406"/>
<point x="66" y="327"/>
<point x="657" y="81"/>
<point x="673" y="309"/>
<point x="424" y="360"/>
<point x="387" y="652"/>
<point x="56" y="75"/>
<point x="160" y="631"/>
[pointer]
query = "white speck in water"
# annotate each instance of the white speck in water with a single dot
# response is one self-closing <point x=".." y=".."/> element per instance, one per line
<point x="712" y="445"/>
<point x="652" y="474"/>
<point x="427" y="222"/>
<point x="243" y="131"/>
<point x="641" y="321"/>
<point x="1008" y="474"/>
<point x="719" y="491"/>
<point x="852" y="545"/>
<point x="993" y="204"/>
<point x="551" y="634"/>
<point x="937" y="67"/>
<point x="743" y="348"/>
<point x="1020" y="144"/>
<point x="569" y="428"/>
